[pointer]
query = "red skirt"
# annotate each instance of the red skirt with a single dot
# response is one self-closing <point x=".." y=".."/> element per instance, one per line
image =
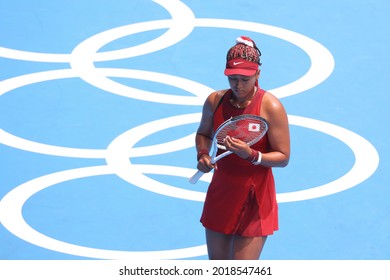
<point x="241" y="199"/>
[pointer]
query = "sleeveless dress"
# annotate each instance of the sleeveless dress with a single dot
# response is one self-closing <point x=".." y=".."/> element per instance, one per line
<point x="241" y="198"/>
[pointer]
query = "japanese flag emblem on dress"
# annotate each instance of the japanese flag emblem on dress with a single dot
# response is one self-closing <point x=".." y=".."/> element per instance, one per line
<point x="254" y="127"/>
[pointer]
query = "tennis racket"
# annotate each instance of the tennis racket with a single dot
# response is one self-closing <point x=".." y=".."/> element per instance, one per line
<point x="248" y="128"/>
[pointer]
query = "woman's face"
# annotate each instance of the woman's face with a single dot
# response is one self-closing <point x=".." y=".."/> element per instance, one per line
<point x="242" y="86"/>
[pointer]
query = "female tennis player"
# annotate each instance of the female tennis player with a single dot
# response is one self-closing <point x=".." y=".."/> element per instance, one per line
<point x="240" y="209"/>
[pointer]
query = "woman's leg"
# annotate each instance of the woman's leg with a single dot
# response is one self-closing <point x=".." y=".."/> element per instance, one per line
<point x="219" y="245"/>
<point x="248" y="248"/>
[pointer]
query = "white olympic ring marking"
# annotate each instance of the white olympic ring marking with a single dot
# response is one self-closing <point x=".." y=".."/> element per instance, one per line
<point x="366" y="161"/>
<point x="178" y="11"/>
<point x="119" y="151"/>
<point x="180" y="26"/>
<point x="12" y="219"/>
<point x="322" y="62"/>
<point x="27" y="145"/>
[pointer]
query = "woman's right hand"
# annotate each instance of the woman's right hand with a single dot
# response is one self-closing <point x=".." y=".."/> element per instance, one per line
<point x="204" y="164"/>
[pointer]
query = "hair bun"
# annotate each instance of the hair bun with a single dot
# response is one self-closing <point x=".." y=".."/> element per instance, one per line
<point x="246" y="41"/>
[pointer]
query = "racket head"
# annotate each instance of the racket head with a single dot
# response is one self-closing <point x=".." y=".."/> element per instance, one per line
<point x="248" y="128"/>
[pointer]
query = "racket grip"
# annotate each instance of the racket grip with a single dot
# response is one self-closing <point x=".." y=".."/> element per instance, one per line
<point x="196" y="177"/>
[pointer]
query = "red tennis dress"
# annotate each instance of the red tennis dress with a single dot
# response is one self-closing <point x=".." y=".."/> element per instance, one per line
<point x="241" y="198"/>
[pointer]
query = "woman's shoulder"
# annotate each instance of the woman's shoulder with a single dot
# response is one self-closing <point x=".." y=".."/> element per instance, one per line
<point x="217" y="95"/>
<point x="271" y="105"/>
<point x="271" y="101"/>
<point x="215" y="98"/>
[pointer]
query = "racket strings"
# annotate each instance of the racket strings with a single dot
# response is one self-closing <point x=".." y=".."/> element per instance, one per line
<point x="247" y="130"/>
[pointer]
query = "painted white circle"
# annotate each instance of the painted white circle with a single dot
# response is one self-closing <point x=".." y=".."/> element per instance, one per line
<point x="27" y="145"/>
<point x="85" y="54"/>
<point x="322" y="61"/>
<point x="366" y="161"/>
<point x="119" y="151"/>
<point x="179" y="27"/>
<point x="12" y="219"/>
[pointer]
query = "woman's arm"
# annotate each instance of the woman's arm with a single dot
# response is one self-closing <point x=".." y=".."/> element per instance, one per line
<point x="278" y="133"/>
<point x="204" y="135"/>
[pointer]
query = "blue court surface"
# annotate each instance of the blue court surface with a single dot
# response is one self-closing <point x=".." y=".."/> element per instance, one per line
<point x="100" y="101"/>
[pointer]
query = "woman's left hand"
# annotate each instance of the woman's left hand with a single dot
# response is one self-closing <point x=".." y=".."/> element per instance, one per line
<point x="238" y="147"/>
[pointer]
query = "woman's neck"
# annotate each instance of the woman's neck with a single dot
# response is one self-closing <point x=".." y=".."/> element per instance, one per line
<point x="242" y="102"/>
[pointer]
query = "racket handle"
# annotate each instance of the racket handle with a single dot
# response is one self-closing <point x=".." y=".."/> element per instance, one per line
<point x="196" y="177"/>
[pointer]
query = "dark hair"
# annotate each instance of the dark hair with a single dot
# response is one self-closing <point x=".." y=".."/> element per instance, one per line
<point x="244" y="51"/>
